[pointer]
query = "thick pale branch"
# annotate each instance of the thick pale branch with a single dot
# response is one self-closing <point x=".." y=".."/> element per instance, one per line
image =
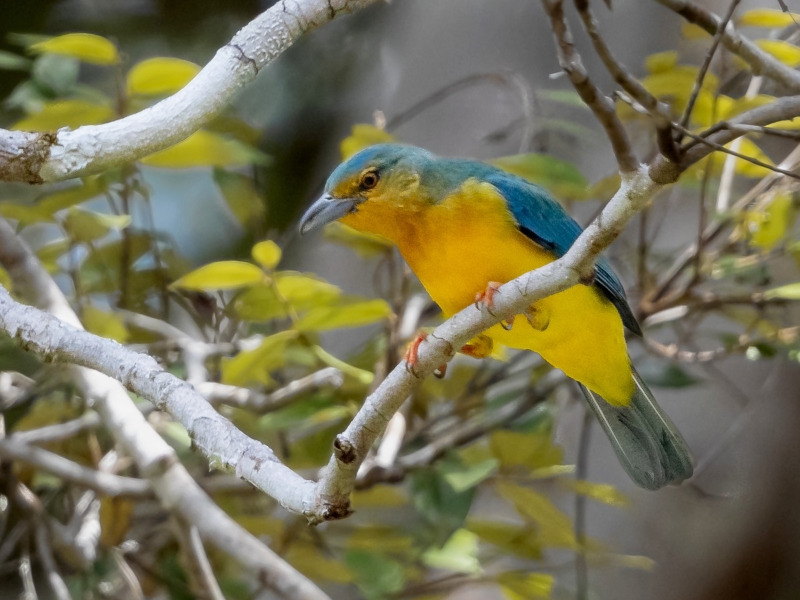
<point x="600" y="104"/>
<point x="761" y="62"/>
<point x="37" y="158"/>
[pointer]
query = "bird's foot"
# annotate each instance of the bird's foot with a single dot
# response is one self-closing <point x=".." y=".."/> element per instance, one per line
<point x="538" y="318"/>
<point x="412" y="352"/>
<point x="486" y="297"/>
<point x="480" y="346"/>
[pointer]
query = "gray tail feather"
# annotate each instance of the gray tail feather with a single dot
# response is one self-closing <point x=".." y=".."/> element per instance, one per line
<point x="647" y="444"/>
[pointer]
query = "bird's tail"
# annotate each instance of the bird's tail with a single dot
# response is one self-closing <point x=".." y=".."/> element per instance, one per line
<point x="647" y="444"/>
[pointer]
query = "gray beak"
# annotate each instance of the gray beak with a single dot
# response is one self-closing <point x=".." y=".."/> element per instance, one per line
<point x="327" y="210"/>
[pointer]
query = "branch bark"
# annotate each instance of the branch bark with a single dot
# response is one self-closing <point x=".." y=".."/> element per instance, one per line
<point x="761" y="62"/>
<point x="54" y="156"/>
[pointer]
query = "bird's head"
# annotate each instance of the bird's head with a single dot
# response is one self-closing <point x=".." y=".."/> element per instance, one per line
<point x="370" y="189"/>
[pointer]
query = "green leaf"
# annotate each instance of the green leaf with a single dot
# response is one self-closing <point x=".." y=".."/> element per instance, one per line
<point x="555" y="528"/>
<point x="602" y="492"/>
<point x="362" y="376"/>
<point x="376" y="574"/>
<point x="787" y="53"/>
<point x="767" y="17"/>
<point x="5" y="280"/>
<point x="443" y="508"/>
<point x="58" y="75"/>
<point x="459" y="554"/>
<point x="302" y="291"/>
<point x="529" y="450"/>
<point x="523" y="585"/>
<point x="790" y="291"/>
<point x="49" y="253"/>
<point x="363" y="136"/>
<point x="13" y="62"/>
<point x="267" y="254"/>
<point x="205" y="149"/>
<point x="519" y="540"/>
<point x="223" y="275"/>
<point x="388" y="539"/>
<point x="85" y="47"/>
<point x="242" y="197"/>
<point x="307" y="559"/>
<point x="559" y="177"/>
<point x="85" y="226"/>
<point x="65" y="113"/>
<point x="667" y="375"/>
<point x="462" y="477"/>
<point x="353" y="314"/>
<point x="75" y="194"/>
<point x="160" y="76"/>
<point x="567" y="97"/>
<point x="254" y="366"/>
<point x="381" y="495"/>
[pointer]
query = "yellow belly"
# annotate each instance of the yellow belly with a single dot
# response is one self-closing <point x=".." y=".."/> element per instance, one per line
<point x="458" y="246"/>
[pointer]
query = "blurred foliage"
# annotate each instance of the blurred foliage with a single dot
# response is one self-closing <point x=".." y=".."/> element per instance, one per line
<point x="268" y="326"/>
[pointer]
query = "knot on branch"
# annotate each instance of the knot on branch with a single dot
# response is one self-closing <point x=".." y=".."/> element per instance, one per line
<point x="344" y="450"/>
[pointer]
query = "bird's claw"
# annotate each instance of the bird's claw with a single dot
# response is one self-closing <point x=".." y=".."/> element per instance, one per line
<point x="486" y="297"/>
<point x="412" y="353"/>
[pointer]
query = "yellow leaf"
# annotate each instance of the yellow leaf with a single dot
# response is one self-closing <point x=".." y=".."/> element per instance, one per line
<point x="223" y="275"/>
<point x="529" y="450"/>
<point x="362" y="376"/>
<point x="83" y="46"/>
<point x="519" y="540"/>
<point x="253" y="366"/>
<point x="385" y="496"/>
<point x="708" y="107"/>
<point x="661" y="61"/>
<point x="602" y="492"/>
<point x="789" y="291"/>
<point x="104" y="324"/>
<point x="690" y="31"/>
<point x="767" y="228"/>
<point x="744" y="104"/>
<point x="555" y="528"/>
<point x="459" y="554"/>
<point x="267" y="254"/>
<point x="160" y="76"/>
<point x="204" y="149"/>
<point x="767" y="17"/>
<point x="115" y="519"/>
<point x="363" y="136"/>
<point x="746" y="168"/>
<point x="305" y="557"/>
<point x="377" y="538"/>
<point x="65" y="113"/>
<point x="356" y="314"/>
<point x="26" y="215"/>
<point x="787" y="53"/>
<point x="5" y="280"/>
<point x="65" y="198"/>
<point x="49" y="254"/>
<point x="523" y="585"/>
<point x="85" y="226"/>
<point x="793" y="124"/>
<point x="677" y="84"/>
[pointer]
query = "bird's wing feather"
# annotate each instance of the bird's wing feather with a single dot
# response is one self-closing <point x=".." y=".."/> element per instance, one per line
<point x="545" y="222"/>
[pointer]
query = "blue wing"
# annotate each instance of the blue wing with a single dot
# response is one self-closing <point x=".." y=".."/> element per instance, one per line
<point x="545" y="221"/>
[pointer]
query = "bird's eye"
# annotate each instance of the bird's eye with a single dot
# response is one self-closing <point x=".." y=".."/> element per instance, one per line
<point x="369" y="180"/>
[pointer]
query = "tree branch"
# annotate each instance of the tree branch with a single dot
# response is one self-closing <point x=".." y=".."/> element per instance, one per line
<point x="761" y="62"/>
<point x="601" y="105"/>
<point x="156" y="460"/>
<point x="54" y="156"/>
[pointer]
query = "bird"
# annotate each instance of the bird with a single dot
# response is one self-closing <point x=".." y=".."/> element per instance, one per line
<point x="465" y="227"/>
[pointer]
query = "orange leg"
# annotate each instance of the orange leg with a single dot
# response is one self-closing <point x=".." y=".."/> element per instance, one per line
<point x="412" y="356"/>
<point x="486" y="298"/>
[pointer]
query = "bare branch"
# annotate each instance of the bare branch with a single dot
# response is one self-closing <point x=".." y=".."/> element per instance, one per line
<point x="220" y="393"/>
<point x="37" y="157"/>
<point x="698" y="84"/>
<point x="105" y="483"/>
<point x="48" y="562"/>
<point x="659" y="111"/>
<point x="761" y="62"/>
<point x="601" y="105"/>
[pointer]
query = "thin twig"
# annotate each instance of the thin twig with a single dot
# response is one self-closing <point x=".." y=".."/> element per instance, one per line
<point x="601" y="105"/>
<point x="581" y="474"/>
<point x="698" y="84"/>
<point x="48" y="562"/>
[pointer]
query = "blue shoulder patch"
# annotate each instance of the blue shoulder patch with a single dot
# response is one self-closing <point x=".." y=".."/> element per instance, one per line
<point x="546" y="222"/>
